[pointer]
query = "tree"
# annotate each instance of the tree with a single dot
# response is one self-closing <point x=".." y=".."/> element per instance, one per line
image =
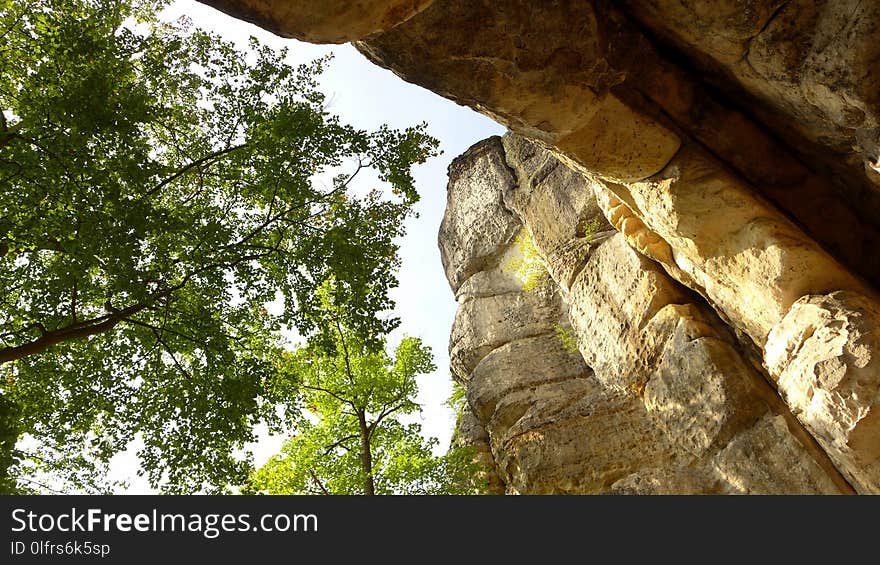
<point x="157" y="189"/>
<point x="9" y="418"/>
<point x="352" y="438"/>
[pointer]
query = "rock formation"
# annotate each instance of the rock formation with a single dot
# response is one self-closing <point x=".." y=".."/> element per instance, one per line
<point x="339" y="21"/>
<point x="655" y="398"/>
<point x="726" y="158"/>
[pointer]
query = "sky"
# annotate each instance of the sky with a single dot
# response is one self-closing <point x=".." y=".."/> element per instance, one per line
<point x="367" y="96"/>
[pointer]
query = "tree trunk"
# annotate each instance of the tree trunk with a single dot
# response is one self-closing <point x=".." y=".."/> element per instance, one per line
<point x="366" y="455"/>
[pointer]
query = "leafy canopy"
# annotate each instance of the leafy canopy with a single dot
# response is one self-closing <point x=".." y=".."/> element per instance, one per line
<point x="157" y="189"/>
<point x="353" y="437"/>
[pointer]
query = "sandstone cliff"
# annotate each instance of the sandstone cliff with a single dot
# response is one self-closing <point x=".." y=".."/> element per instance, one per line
<point x="656" y="397"/>
<point x="702" y="185"/>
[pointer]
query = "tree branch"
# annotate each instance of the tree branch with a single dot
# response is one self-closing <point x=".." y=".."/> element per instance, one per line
<point x="331" y="393"/>
<point x="163" y="330"/>
<point x="37" y="325"/>
<point x="79" y="331"/>
<point x="39" y="484"/>
<point x="344" y="351"/>
<point x="105" y="323"/>
<point x="339" y="444"/>
<point x="171" y="353"/>
<point x="384" y="414"/>
<point x="282" y="215"/>
<point x="197" y="163"/>
<point x="318" y="482"/>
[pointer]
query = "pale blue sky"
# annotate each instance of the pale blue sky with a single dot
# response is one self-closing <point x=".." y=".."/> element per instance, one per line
<point x="367" y="96"/>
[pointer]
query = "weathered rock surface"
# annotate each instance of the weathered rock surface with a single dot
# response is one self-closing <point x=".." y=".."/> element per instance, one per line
<point x="579" y="76"/>
<point x="705" y="223"/>
<point x="823" y="356"/>
<point x="750" y="261"/>
<point x="540" y="71"/>
<point x="764" y="459"/>
<point x="657" y="399"/>
<point x="482" y="324"/>
<point x="477" y="226"/>
<point x="816" y="64"/>
<point x="558" y="206"/>
<point x="339" y="21"/>
<point x="645" y="335"/>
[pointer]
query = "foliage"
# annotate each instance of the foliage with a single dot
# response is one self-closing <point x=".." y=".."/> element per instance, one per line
<point x="480" y="465"/>
<point x="48" y="467"/>
<point x="457" y="398"/>
<point x="588" y="228"/>
<point x="529" y="267"/>
<point x="566" y="337"/>
<point x="70" y="467"/>
<point x="353" y="438"/>
<point x="9" y="431"/>
<point x="405" y="464"/>
<point x="159" y="188"/>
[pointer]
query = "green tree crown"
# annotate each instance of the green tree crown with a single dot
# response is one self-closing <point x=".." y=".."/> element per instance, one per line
<point x="158" y="189"/>
<point x="353" y="437"/>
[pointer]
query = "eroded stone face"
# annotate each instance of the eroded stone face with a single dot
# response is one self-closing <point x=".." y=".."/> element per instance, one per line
<point x="558" y="205"/>
<point x="766" y="459"/>
<point x="339" y="21"/>
<point x="617" y="381"/>
<point x="477" y="226"/>
<point x="543" y="72"/>
<point x="482" y="324"/>
<point x="579" y="76"/>
<point x="741" y="253"/>
<point x="823" y="356"/>
<point x="817" y="63"/>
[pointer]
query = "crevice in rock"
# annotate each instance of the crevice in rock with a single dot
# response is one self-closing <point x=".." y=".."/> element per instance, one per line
<point x="477" y="297"/>
<point x="595" y="240"/>
<point x="765" y="387"/>
<point x="488" y="348"/>
<point x="724" y="92"/>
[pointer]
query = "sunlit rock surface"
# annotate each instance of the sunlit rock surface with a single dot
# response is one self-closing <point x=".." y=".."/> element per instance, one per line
<point x="608" y="376"/>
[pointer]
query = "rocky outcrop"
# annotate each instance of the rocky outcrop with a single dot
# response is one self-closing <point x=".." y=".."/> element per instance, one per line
<point x="476" y="229"/>
<point x="584" y="78"/>
<point x="810" y="65"/>
<point x="760" y="272"/>
<point x="654" y="397"/>
<point x="339" y="21"/>
<point x="735" y="149"/>
<point x="578" y="89"/>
